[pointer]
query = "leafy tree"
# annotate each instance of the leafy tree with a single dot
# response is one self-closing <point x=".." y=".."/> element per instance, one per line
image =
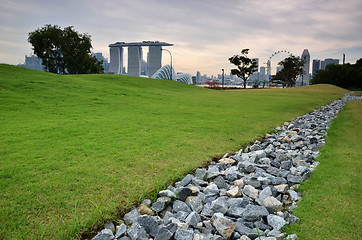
<point x="292" y="68"/>
<point x="64" y="51"/>
<point x="246" y="66"/>
<point x="345" y="76"/>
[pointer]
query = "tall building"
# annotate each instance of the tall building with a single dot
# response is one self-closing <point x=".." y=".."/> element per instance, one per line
<point x="262" y="75"/>
<point x="134" y="60"/>
<point x="32" y="62"/>
<point x="306" y="58"/>
<point x="328" y="61"/>
<point x="135" y="57"/>
<point x="198" y="77"/>
<point x="100" y="58"/>
<point x="144" y="68"/>
<point x="316" y="66"/>
<point x="279" y="68"/>
<point x="257" y="64"/>
<point x="262" y="70"/>
<point x="268" y="68"/>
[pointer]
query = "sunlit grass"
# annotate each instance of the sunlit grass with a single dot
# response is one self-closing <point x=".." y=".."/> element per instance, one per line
<point x="78" y="150"/>
<point x="331" y="203"/>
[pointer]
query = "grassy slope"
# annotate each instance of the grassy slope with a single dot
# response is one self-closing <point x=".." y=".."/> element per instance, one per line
<point x="77" y="149"/>
<point x="331" y="203"/>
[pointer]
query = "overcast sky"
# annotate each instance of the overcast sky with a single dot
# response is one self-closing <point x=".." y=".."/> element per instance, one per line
<point x="205" y="33"/>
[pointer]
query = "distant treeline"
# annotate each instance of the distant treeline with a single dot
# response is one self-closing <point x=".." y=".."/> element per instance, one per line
<point x="345" y="76"/>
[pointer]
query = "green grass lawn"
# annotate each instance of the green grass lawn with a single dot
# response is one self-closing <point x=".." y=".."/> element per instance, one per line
<point x="78" y="150"/>
<point x="331" y="204"/>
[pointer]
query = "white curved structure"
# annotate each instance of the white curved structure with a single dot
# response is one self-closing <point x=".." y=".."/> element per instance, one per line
<point x="184" y="78"/>
<point x="165" y="73"/>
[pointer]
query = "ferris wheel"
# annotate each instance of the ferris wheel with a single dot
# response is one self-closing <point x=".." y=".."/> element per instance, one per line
<point x="268" y="63"/>
<point x="278" y="52"/>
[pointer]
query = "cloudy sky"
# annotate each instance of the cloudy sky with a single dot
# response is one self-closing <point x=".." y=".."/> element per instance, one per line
<point x="205" y="33"/>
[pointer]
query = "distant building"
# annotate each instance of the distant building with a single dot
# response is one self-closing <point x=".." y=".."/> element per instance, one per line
<point x="32" y="62"/>
<point x="328" y="61"/>
<point x="104" y="61"/>
<point x="167" y="73"/>
<point x="306" y="58"/>
<point x="262" y="75"/>
<point x="279" y="69"/>
<point x="198" y="77"/>
<point x="316" y="66"/>
<point x="257" y="64"/>
<point x="135" y="56"/>
<point x="193" y="79"/>
<point x="144" y="69"/>
<point x="268" y="68"/>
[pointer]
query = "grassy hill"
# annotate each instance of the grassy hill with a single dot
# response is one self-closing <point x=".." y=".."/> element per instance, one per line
<point x="77" y="150"/>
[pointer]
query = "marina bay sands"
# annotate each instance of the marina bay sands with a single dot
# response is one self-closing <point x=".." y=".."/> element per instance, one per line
<point x="135" y="56"/>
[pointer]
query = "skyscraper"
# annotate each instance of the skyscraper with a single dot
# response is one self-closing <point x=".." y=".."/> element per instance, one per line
<point x="268" y="68"/>
<point x="316" y="66"/>
<point x="306" y="58"/>
<point x="257" y="64"/>
<point x="198" y="77"/>
<point x="328" y="61"/>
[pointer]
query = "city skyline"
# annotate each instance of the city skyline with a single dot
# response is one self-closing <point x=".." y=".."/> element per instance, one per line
<point x="205" y="34"/>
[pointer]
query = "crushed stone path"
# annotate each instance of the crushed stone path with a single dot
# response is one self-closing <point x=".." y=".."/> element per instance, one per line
<point x="241" y="196"/>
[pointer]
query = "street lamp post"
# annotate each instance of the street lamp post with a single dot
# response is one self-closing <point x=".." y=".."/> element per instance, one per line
<point x="222" y="78"/>
<point x="171" y="60"/>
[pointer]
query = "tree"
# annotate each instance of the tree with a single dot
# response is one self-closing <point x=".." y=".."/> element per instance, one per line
<point x="345" y="76"/>
<point x="64" y="51"/>
<point x="292" y="68"/>
<point x="246" y="66"/>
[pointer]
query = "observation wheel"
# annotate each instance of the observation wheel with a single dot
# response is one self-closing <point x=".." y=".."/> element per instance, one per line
<point x="268" y="63"/>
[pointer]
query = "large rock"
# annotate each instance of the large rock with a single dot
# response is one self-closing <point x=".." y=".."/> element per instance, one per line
<point x="220" y="205"/>
<point x="200" y="173"/>
<point x="278" y="180"/>
<point x="122" y="229"/>
<point x="273" y="203"/>
<point x="164" y="234"/>
<point x="137" y="232"/>
<point x="183" y="193"/>
<point x="250" y="191"/>
<point x="149" y="224"/>
<point x="145" y="210"/>
<point x="282" y="188"/>
<point x="234" y="192"/>
<point x="294" y="178"/>
<point x="266" y="192"/>
<point x="193" y="219"/>
<point x="166" y="193"/>
<point x="227" y="161"/>
<point x="212" y="172"/>
<point x="131" y="216"/>
<point x="220" y="182"/>
<point x="158" y="206"/>
<point x="223" y="225"/>
<point x="255" y="213"/>
<point x="195" y="203"/>
<point x="182" y="234"/>
<point x="275" y="221"/>
<point x="186" y="180"/>
<point x="105" y="234"/>
<point x="212" y="189"/>
<point x="180" y="206"/>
